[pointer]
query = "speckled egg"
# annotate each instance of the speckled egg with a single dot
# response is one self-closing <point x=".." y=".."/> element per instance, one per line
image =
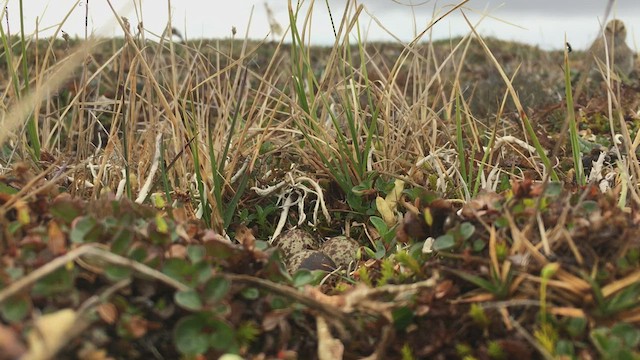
<point x="293" y="241"/>
<point x="310" y="260"/>
<point x="341" y="249"/>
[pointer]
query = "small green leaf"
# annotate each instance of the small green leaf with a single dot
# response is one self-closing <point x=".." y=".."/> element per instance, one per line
<point x="250" y="293"/>
<point x="189" y="300"/>
<point x="589" y="206"/>
<point x="116" y="273"/>
<point x="56" y="282"/>
<point x="266" y="146"/>
<point x="627" y="332"/>
<point x="466" y="230"/>
<point x="444" y="242"/>
<point x="380" y="250"/>
<point x="554" y="188"/>
<point x="66" y="209"/>
<point x="178" y="269"/>
<point x="81" y="229"/>
<point x="138" y="254"/>
<point x="222" y="337"/>
<point x="262" y="245"/>
<point x="428" y="217"/>
<point x="302" y="277"/>
<point x="379" y="224"/>
<point x="361" y="188"/>
<point x="216" y="288"/>
<point x="121" y="241"/>
<point x="196" y="253"/>
<point x="576" y="326"/>
<point x="201" y="272"/>
<point x="157" y="200"/>
<point x="14" y="227"/>
<point x="222" y="309"/>
<point x="478" y="281"/>
<point x="370" y="253"/>
<point x="15" y="308"/>
<point x="6" y="189"/>
<point x="478" y="245"/>
<point x="501" y="222"/>
<point x="566" y="348"/>
<point x="549" y="270"/>
<point x="278" y="302"/>
<point x="189" y="335"/>
<point x="161" y="224"/>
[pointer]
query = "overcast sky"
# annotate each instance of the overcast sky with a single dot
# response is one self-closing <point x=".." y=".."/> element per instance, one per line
<point x="539" y="22"/>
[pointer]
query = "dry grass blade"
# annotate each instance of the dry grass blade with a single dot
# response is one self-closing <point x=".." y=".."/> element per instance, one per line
<point x="410" y="152"/>
<point x="329" y="348"/>
<point x="516" y="100"/>
<point x="18" y="113"/>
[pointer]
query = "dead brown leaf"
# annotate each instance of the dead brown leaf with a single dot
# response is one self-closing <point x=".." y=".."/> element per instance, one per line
<point x="177" y="251"/>
<point x="57" y="243"/>
<point x="245" y="236"/>
<point x="49" y="334"/>
<point x="484" y="203"/>
<point x="10" y="345"/>
<point x="136" y="326"/>
<point x="108" y="313"/>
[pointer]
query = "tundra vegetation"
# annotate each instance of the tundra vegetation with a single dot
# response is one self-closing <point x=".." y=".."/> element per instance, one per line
<point x="490" y="187"/>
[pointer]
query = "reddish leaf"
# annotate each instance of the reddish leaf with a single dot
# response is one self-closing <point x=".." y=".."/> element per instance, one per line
<point x="108" y="313"/>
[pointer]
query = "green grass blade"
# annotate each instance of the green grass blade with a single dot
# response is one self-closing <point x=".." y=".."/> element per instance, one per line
<point x="460" y="142"/>
<point x="573" y="127"/>
<point x="163" y="173"/>
<point x="32" y="125"/>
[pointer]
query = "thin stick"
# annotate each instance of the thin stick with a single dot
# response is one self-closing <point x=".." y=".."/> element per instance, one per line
<point x="89" y="249"/>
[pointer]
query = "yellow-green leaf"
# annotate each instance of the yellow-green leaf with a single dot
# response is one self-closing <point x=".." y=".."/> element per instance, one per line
<point x="385" y="211"/>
